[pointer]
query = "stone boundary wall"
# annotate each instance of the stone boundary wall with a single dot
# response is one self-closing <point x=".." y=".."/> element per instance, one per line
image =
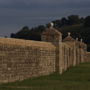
<point x="22" y="59"/>
<point x="88" y="56"/>
<point x="67" y="56"/>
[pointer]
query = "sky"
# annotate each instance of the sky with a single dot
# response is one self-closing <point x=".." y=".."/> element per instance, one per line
<point x="15" y="14"/>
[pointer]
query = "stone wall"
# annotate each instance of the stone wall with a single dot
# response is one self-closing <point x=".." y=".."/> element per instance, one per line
<point x="22" y="59"/>
<point x="87" y="57"/>
<point x="67" y="56"/>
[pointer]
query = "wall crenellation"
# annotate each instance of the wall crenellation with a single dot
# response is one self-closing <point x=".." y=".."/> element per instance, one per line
<point x="22" y="59"/>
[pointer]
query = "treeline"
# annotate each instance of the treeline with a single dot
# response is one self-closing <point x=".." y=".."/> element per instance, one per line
<point x="82" y="31"/>
<point x="72" y="20"/>
<point x="29" y="34"/>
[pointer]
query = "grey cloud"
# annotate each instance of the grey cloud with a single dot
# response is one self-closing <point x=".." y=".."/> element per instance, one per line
<point x="51" y="4"/>
<point x="14" y="14"/>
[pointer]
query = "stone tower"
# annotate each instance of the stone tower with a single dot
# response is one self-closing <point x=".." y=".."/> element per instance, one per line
<point x="83" y="50"/>
<point x="53" y="36"/>
<point x="71" y="42"/>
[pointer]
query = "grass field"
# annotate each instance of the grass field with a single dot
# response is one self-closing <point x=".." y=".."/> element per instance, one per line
<point x="76" y="78"/>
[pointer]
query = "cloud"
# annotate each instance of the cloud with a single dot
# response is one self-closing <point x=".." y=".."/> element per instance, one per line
<point x="17" y="13"/>
<point x="43" y="4"/>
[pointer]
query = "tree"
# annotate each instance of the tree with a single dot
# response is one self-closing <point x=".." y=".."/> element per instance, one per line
<point x="23" y="30"/>
<point x="82" y="20"/>
<point x="21" y="34"/>
<point x="87" y="21"/>
<point x="64" y="21"/>
<point x="12" y="35"/>
<point x="73" y="19"/>
<point x="57" y="23"/>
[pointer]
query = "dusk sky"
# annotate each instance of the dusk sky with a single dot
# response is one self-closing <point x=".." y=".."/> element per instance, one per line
<point x="14" y="14"/>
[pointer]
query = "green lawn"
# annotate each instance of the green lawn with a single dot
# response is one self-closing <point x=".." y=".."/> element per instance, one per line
<point x="76" y="78"/>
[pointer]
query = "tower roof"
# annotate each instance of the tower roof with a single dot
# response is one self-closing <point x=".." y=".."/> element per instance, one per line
<point x="51" y="31"/>
<point x="69" y="38"/>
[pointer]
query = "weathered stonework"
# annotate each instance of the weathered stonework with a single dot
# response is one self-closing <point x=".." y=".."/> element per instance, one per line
<point x="22" y="59"/>
<point x="87" y="56"/>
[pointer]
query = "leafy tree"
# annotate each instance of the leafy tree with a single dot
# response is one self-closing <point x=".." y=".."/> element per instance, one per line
<point x="73" y="19"/>
<point x="82" y="20"/>
<point x="64" y="21"/>
<point x="87" y="21"/>
<point x="23" y="30"/>
<point x="57" y="23"/>
<point x="29" y="34"/>
<point x="12" y="35"/>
